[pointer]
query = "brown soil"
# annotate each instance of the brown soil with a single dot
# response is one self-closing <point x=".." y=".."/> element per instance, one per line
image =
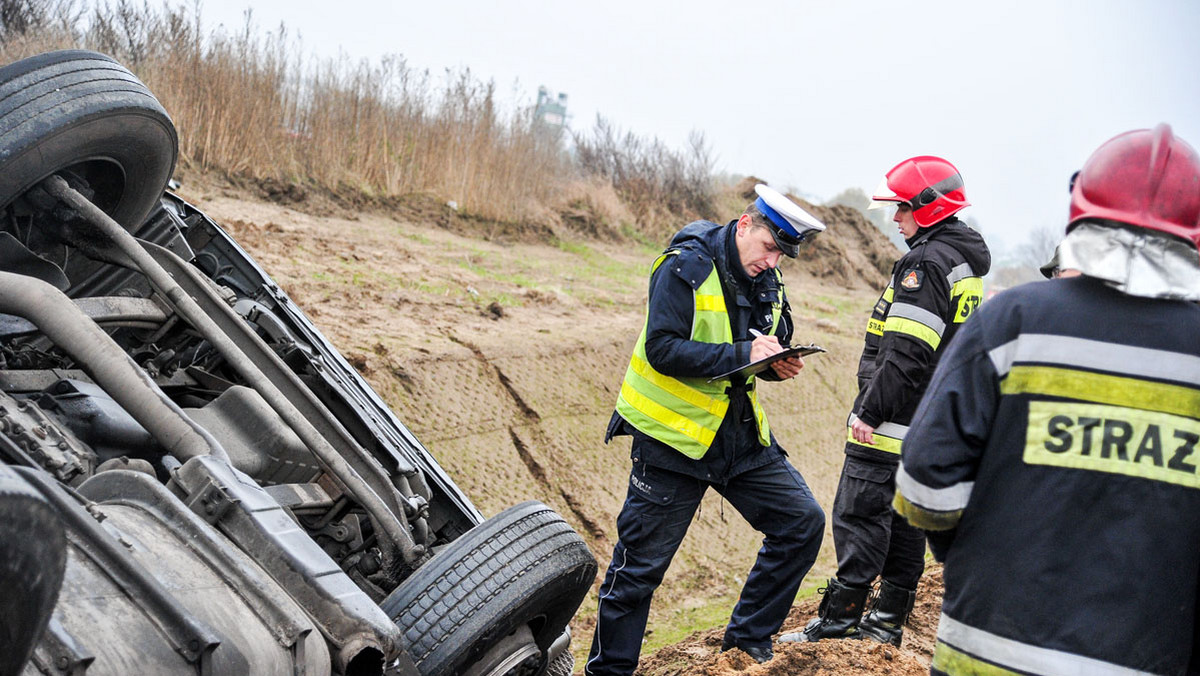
<point x="502" y="350"/>
<point x="700" y="653"/>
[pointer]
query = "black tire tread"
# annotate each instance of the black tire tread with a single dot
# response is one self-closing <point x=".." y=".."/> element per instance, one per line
<point x="513" y="548"/>
<point x="83" y="106"/>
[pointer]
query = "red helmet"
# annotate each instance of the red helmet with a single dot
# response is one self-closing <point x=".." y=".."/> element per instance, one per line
<point x="1147" y="178"/>
<point x="930" y="185"/>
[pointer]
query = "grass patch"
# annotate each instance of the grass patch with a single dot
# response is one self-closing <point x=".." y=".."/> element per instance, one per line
<point x="682" y="622"/>
<point x="577" y="248"/>
<point x="418" y="237"/>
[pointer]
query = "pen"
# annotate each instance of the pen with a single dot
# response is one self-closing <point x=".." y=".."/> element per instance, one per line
<point x="759" y="334"/>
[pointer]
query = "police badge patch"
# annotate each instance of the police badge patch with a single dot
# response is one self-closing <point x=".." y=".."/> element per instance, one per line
<point x="912" y="279"/>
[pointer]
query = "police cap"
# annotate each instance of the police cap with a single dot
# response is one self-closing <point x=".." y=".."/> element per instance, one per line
<point x="789" y="224"/>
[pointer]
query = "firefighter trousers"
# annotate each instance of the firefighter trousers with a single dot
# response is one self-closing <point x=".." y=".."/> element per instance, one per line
<point x="870" y="539"/>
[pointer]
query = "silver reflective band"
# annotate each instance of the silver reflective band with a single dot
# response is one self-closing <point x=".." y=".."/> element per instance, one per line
<point x="949" y="499"/>
<point x="918" y="314"/>
<point x="1023" y="656"/>
<point x="1050" y="350"/>
<point x="960" y="272"/>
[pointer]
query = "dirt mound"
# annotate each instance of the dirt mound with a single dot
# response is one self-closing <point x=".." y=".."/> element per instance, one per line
<point x="851" y="253"/>
<point x="700" y="653"/>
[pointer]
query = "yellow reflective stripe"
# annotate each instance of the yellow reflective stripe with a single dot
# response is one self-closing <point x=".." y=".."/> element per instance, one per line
<point x="972" y="285"/>
<point x="969" y="292"/>
<point x="1102" y="388"/>
<point x="917" y="330"/>
<point x="667" y="417"/>
<point x="923" y="518"/>
<point x="661" y="258"/>
<point x="677" y="389"/>
<point x="952" y="661"/>
<point x="707" y="303"/>
<point x="1115" y="440"/>
<point x="881" y="443"/>
<point x="760" y="416"/>
<point x="889" y="293"/>
<point x="875" y="326"/>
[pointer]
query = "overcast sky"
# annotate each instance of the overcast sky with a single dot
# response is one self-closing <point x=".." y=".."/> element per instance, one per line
<point x="815" y="96"/>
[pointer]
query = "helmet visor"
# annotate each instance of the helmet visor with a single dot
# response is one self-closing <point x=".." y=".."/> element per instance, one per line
<point x="883" y="197"/>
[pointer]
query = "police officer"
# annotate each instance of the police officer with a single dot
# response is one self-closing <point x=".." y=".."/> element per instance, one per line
<point x="932" y="290"/>
<point x="716" y="303"/>
<point x="1056" y="450"/>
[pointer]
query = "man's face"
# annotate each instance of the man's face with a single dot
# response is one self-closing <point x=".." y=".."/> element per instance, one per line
<point x="756" y="247"/>
<point x="905" y="222"/>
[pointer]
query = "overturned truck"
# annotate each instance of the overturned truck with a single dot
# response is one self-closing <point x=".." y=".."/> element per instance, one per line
<point x="192" y="479"/>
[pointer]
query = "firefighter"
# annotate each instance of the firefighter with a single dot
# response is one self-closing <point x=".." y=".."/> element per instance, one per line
<point x="932" y="290"/>
<point x="1054" y="458"/>
<point x="716" y="303"/>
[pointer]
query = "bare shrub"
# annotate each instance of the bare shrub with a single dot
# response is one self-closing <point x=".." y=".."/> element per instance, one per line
<point x="27" y="18"/>
<point x="248" y="104"/>
<point x="659" y="184"/>
<point x="245" y="104"/>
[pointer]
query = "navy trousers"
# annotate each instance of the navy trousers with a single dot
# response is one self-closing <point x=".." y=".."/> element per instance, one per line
<point x="658" y="510"/>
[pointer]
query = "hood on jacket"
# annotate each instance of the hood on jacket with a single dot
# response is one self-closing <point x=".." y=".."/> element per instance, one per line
<point x="965" y="240"/>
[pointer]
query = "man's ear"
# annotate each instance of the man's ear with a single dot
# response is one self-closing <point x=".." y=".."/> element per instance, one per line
<point x="743" y="224"/>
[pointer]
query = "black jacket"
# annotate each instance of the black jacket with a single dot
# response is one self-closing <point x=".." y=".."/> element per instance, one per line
<point x="1059" y="444"/>
<point x="669" y="313"/>
<point x="932" y="290"/>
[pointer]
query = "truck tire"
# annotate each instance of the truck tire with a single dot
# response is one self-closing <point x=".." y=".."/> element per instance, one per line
<point x="82" y="111"/>
<point x="33" y="557"/>
<point x="525" y="566"/>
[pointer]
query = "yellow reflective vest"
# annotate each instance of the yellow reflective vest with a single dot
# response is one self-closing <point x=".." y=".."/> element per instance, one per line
<point x="685" y="413"/>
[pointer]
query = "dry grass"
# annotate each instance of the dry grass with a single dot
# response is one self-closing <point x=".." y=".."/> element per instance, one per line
<point x="248" y="105"/>
<point x="251" y="105"/>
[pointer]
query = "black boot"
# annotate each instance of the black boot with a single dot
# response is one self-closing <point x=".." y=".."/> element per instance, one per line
<point x="759" y="655"/>
<point x="837" y="616"/>
<point x="888" y="612"/>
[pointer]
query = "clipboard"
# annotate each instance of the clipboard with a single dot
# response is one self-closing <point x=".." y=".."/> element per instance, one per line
<point x="765" y="363"/>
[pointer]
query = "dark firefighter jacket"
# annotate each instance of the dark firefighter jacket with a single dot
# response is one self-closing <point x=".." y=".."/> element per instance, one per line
<point x="670" y="311"/>
<point x="933" y="289"/>
<point x="1060" y="440"/>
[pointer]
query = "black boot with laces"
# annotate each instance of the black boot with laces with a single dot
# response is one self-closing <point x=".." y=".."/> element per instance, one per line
<point x="837" y="616"/>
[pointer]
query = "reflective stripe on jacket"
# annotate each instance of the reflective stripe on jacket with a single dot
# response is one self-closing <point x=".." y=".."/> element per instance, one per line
<point x="685" y="413"/>
<point x="933" y="289"/>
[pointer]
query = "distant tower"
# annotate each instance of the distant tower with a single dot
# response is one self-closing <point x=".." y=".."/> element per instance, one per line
<point x="551" y="109"/>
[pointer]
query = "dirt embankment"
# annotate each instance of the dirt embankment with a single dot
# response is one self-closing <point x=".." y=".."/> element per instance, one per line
<point x="503" y="352"/>
<point x="850" y="253"/>
<point x="700" y="654"/>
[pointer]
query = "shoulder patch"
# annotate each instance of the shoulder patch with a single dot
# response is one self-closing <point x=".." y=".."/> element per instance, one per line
<point x="912" y="279"/>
